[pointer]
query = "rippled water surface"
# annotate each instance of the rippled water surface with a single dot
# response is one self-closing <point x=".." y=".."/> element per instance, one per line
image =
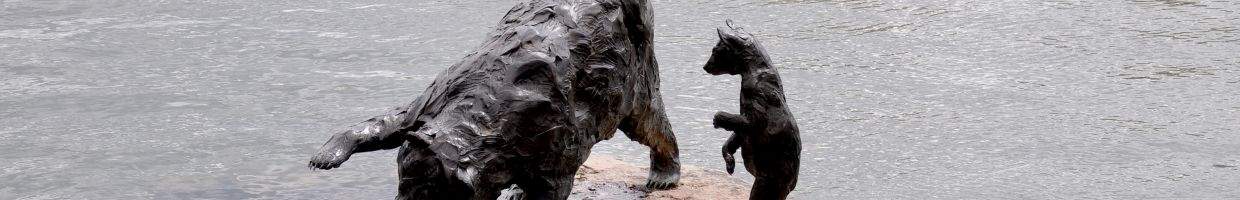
<point x="908" y="99"/>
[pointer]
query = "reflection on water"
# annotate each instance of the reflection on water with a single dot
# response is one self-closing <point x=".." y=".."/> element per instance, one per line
<point x="896" y="98"/>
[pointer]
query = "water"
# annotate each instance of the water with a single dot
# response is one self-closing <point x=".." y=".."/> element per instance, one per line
<point x="897" y="99"/>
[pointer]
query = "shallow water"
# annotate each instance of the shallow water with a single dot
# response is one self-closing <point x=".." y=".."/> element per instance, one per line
<point x="896" y="99"/>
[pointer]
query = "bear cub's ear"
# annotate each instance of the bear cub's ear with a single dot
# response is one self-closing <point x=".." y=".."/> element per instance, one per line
<point x="729" y="37"/>
<point x="731" y="34"/>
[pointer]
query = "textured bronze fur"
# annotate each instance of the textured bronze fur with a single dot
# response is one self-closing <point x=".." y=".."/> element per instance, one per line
<point x="527" y="106"/>
<point x="765" y="131"/>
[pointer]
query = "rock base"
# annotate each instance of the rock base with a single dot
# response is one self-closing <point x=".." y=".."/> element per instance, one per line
<point x="604" y="177"/>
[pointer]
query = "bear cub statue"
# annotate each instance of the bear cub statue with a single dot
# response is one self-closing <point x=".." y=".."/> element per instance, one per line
<point x="765" y="130"/>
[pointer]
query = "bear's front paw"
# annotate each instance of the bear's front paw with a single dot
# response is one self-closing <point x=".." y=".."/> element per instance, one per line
<point x="728" y="121"/>
<point x="730" y="161"/>
<point x="332" y="154"/>
<point x="720" y="119"/>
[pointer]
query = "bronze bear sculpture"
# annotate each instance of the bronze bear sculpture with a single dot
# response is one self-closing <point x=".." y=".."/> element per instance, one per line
<point x="525" y="108"/>
<point x="765" y="130"/>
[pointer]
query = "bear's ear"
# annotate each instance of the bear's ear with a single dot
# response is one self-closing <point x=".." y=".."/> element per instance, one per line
<point x="728" y="37"/>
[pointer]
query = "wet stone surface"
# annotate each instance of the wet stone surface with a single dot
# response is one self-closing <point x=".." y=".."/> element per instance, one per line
<point x="605" y="177"/>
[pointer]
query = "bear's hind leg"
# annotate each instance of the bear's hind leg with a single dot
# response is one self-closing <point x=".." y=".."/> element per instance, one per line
<point x="550" y="188"/>
<point x="765" y="188"/>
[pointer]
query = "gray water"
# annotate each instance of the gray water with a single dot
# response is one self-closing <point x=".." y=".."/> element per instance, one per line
<point x="896" y="99"/>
